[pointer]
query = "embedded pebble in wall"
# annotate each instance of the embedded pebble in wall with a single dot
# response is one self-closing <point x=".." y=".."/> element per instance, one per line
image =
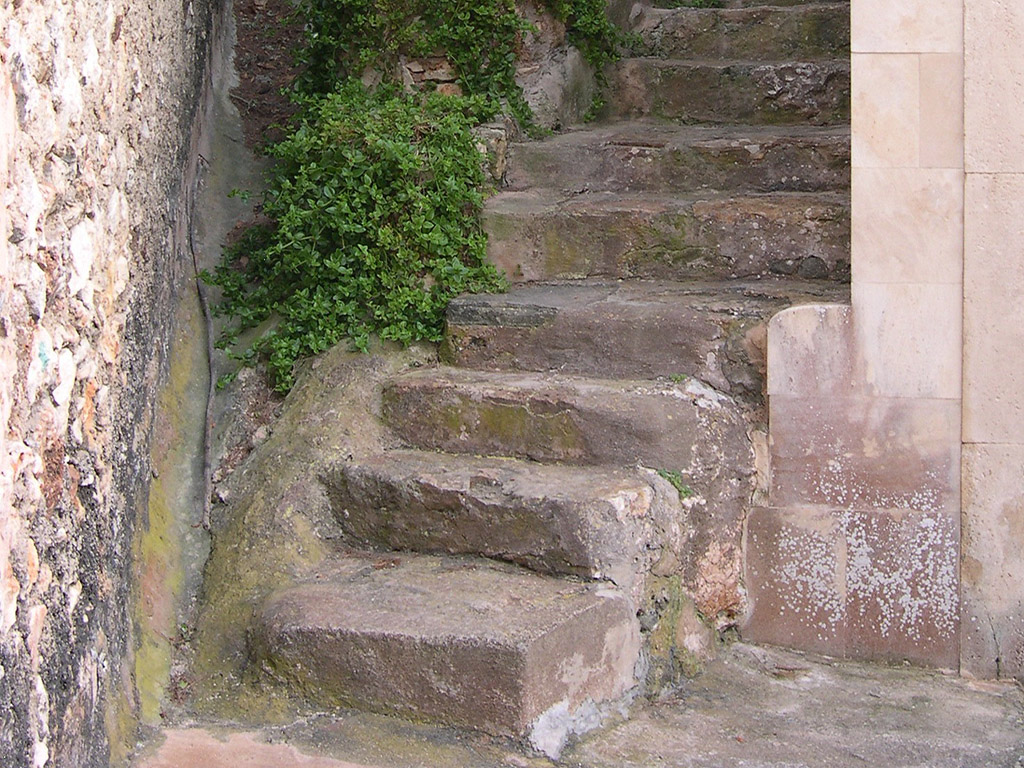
<point x="83" y="254"/>
<point x="42" y="358"/>
<point x="32" y="282"/>
<point x="66" y="370"/>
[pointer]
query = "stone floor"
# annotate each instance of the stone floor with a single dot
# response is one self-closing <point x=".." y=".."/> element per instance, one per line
<point x="753" y="708"/>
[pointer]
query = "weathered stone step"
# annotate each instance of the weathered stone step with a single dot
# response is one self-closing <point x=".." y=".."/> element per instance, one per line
<point x="555" y="519"/>
<point x="711" y="91"/>
<point x="541" y="235"/>
<point x="759" y="33"/>
<point x="466" y="643"/>
<point x="624" y="13"/>
<point x="686" y="425"/>
<point x="629" y="329"/>
<point x="747" y="3"/>
<point x="660" y="157"/>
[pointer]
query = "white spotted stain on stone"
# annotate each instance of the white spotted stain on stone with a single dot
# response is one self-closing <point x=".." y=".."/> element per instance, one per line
<point x="839" y="487"/>
<point x="812" y="575"/>
<point x="917" y="586"/>
<point x="900" y="570"/>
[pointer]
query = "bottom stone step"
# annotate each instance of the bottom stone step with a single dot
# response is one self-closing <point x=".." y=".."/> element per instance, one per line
<point x="462" y="642"/>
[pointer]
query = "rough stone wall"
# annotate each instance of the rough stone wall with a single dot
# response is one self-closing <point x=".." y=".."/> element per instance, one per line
<point x="97" y="105"/>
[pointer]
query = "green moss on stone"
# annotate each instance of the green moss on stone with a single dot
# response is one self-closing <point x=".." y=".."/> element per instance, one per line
<point x="666" y="604"/>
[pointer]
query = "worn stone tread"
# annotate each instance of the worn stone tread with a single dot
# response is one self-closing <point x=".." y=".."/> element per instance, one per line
<point x="759" y="3"/>
<point x="571" y="419"/>
<point x="545" y="235"/>
<point x="633" y="329"/>
<point x="731" y="91"/>
<point x="658" y="156"/>
<point x="799" y="32"/>
<point x="462" y="642"/>
<point x="585" y="522"/>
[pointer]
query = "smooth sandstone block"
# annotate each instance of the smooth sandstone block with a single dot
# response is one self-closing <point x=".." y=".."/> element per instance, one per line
<point x="907" y="225"/>
<point x="993" y="561"/>
<point x="909" y="338"/>
<point x="865" y="453"/>
<point x="885" y="111"/>
<point x="811" y="353"/>
<point x="880" y="585"/>
<point x="994" y="86"/>
<point x="993" y="312"/>
<point x="908" y="26"/>
<point x="942" y="110"/>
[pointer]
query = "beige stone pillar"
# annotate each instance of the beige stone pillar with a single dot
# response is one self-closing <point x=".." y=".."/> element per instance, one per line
<point x="993" y="412"/>
<point x="857" y="551"/>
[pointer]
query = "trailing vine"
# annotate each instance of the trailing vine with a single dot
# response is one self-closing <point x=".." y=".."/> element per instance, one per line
<point x="372" y="211"/>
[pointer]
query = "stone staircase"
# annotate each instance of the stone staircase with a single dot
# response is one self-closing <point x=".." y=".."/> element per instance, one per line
<point x="590" y="443"/>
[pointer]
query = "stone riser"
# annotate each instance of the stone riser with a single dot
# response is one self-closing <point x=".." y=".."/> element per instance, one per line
<point x="535" y="237"/>
<point x="713" y="331"/>
<point x="549" y="518"/>
<point x="731" y="92"/>
<point x="766" y="33"/>
<point x="686" y="427"/>
<point x="661" y="159"/>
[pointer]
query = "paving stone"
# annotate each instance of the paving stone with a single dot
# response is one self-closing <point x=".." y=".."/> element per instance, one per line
<point x="636" y="329"/>
<point x="452" y="641"/>
<point x="586" y="522"/>
<point x="544" y="235"/>
<point x="799" y="32"/>
<point x="815" y="92"/>
<point x="767" y="708"/>
<point x="660" y="157"/>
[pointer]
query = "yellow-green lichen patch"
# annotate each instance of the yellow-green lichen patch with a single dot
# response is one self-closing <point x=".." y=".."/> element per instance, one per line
<point x="677" y="642"/>
<point x="162" y="539"/>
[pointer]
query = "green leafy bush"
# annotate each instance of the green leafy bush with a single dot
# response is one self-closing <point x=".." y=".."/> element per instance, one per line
<point x="375" y="207"/>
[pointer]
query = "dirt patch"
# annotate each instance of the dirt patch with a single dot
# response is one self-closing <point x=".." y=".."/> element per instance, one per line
<point x="264" y="57"/>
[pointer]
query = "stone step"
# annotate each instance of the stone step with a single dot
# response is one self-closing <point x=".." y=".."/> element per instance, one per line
<point x="686" y="426"/>
<point x="747" y="3"/>
<point x="624" y="13"/>
<point x="711" y="91"/>
<point x="466" y="643"/>
<point x="555" y="519"/>
<point x="659" y="157"/>
<point x="796" y="32"/>
<point x="629" y="329"/>
<point x="542" y="235"/>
